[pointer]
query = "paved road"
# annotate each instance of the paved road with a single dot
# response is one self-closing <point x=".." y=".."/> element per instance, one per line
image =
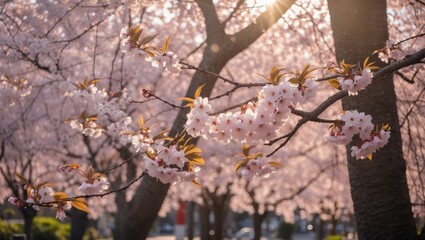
<point x="295" y="237"/>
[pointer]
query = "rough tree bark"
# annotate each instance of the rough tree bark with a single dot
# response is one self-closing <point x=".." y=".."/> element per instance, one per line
<point x="378" y="188"/>
<point x="220" y="48"/>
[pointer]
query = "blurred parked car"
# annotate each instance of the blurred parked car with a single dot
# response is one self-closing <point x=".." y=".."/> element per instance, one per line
<point x="244" y="233"/>
<point x="166" y="228"/>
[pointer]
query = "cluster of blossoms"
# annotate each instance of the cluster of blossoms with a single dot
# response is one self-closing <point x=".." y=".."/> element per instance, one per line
<point x="132" y="43"/>
<point x="350" y="80"/>
<point x="43" y="195"/>
<point x="169" y="164"/>
<point x="104" y="111"/>
<point x="11" y="90"/>
<point x="390" y="52"/>
<point x="255" y="122"/>
<point x="354" y="123"/>
<point x="258" y="167"/>
<point x="356" y="83"/>
<point x="94" y="183"/>
<point x="255" y="164"/>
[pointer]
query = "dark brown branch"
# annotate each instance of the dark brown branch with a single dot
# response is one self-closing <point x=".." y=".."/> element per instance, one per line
<point x="404" y="77"/>
<point x="237" y="7"/>
<point x="61" y="18"/>
<point x="190" y="66"/>
<point x="48" y="204"/>
<point x="212" y="23"/>
<point x="410" y="38"/>
<point x="412" y="107"/>
<point x="253" y="31"/>
<point x="305" y="186"/>
<point x="234" y="106"/>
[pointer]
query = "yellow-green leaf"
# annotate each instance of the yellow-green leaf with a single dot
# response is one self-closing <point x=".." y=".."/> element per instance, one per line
<point x="386" y="127"/>
<point x="83" y="115"/>
<point x="80" y="204"/>
<point x="293" y="80"/>
<point x="193" y="150"/>
<point x="166" y="44"/>
<point x="93" y="82"/>
<point x="74" y="166"/>
<point x="162" y="135"/>
<point x="191" y="100"/>
<point x="246" y="149"/>
<point x="197" y="161"/>
<point x="196" y="183"/>
<point x="141" y="122"/>
<point x="59" y="195"/>
<point x="255" y="156"/>
<point x="334" y="83"/>
<point x="44" y="184"/>
<point x="147" y="39"/>
<point x="240" y="164"/>
<point x="275" y="164"/>
<point x="127" y="133"/>
<point x="149" y="154"/>
<point x="22" y="178"/>
<point x="198" y="91"/>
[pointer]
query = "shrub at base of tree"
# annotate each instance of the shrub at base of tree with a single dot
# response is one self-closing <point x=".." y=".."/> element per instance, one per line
<point x="286" y="230"/>
<point x="8" y="229"/>
<point x="44" y="228"/>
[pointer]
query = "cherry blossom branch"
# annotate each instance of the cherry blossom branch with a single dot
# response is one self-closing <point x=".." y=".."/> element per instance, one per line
<point x="308" y="116"/>
<point x="148" y="94"/>
<point x="405" y="78"/>
<point x="316" y="119"/>
<point x="236" y="87"/>
<point x="61" y="18"/>
<point x="305" y="186"/>
<point x="190" y="66"/>
<point x="327" y="78"/>
<point x="48" y="204"/>
<point x="81" y="34"/>
<point x="194" y="50"/>
<point x="123" y="163"/>
<point x="234" y="106"/>
<point x="412" y="107"/>
<point x="409" y="38"/>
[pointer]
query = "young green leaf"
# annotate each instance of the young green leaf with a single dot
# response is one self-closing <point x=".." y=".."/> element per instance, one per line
<point x="198" y="91"/>
<point x="80" y="204"/>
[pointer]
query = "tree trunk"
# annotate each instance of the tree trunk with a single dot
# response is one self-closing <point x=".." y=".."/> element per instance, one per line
<point x="258" y="221"/>
<point x="320" y="234"/>
<point x="221" y="207"/>
<point x="190" y="206"/>
<point x="29" y="213"/>
<point x="120" y="216"/>
<point x="79" y="224"/>
<point x="218" y="223"/>
<point x="378" y="188"/>
<point x="204" y="217"/>
<point x="334" y="223"/>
